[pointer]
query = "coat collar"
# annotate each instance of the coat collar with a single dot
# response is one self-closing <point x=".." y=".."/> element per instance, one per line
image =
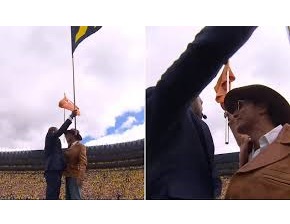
<point x="277" y="150"/>
<point x="74" y="143"/>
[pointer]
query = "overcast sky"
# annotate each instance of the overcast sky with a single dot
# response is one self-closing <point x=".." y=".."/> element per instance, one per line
<point x="110" y="69"/>
<point x="36" y="70"/>
<point x="264" y="59"/>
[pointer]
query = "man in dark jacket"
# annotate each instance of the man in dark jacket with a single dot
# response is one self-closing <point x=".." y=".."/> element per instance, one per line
<point x="207" y="143"/>
<point x="54" y="158"/>
<point x="177" y="165"/>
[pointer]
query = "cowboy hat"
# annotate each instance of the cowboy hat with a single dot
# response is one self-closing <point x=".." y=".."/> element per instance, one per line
<point x="278" y="107"/>
<point x="74" y="132"/>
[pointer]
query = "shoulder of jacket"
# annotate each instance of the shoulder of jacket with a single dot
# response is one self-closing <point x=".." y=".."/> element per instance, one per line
<point x="80" y="145"/>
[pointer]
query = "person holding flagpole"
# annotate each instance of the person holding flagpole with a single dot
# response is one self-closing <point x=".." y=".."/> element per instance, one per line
<point x="54" y="158"/>
<point x="177" y="165"/>
<point x="54" y="161"/>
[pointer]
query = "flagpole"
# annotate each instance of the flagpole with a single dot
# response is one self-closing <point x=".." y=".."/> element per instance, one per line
<point x="63" y="138"/>
<point x="288" y="32"/>
<point x="227" y="119"/>
<point x="64" y="110"/>
<point x="74" y="91"/>
<point x="78" y="33"/>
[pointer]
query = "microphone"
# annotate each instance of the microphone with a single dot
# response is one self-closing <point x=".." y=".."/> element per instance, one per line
<point x="204" y="116"/>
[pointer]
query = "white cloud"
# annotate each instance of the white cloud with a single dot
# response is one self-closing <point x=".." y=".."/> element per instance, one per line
<point x="128" y="123"/>
<point x="135" y="133"/>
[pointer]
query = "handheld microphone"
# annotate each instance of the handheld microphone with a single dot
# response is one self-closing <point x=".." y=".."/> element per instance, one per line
<point x="204" y="116"/>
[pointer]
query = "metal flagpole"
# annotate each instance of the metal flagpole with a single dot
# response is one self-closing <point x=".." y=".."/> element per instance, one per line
<point x="288" y="32"/>
<point x="227" y="119"/>
<point x="74" y="91"/>
<point x="64" y="111"/>
<point x="63" y="138"/>
<point x="63" y="122"/>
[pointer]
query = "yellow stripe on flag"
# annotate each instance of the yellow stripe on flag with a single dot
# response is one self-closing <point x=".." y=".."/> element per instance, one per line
<point x="82" y="31"/>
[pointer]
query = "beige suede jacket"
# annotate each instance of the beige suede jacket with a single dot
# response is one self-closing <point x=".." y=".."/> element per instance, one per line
<point x="76" y="160"/>
<point x="267" y="176"/>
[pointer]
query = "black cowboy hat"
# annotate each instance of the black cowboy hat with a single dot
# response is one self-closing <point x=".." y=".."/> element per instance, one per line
<point x="278" y="107"/>
<point x="74" y="132"/>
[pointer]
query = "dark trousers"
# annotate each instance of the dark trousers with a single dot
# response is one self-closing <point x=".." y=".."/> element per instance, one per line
<point x="72" y="190"/>
<point x="53" y="184"/>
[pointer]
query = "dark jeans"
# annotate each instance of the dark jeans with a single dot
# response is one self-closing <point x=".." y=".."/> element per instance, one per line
<point x="53" y="183"/>
<point x="72" y="190"/>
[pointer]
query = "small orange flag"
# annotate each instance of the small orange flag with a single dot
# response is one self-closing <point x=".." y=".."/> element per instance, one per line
<point x="221" y="86"/>
<point x="67" y="104"/>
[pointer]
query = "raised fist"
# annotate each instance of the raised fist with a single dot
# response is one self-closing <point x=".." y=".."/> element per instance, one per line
<point x="74" y="113"/>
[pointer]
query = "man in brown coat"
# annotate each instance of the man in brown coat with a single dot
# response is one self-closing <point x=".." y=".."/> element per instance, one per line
<point x="264" y="115"/>
<point x="76" y="160"/>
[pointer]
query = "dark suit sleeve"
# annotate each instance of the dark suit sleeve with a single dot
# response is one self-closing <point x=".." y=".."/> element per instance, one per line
<point x="63" y="128"/>
<point x="194" y="70"/>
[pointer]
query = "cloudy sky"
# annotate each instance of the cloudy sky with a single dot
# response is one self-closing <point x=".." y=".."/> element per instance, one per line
<point x="36" y="70"/>
<point x="110" y="69"/>
<point x="264" y="59"/>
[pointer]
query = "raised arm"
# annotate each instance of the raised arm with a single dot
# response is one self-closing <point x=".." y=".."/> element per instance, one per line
<point x="194" y="69"/>
<point x="65" y="125"/>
